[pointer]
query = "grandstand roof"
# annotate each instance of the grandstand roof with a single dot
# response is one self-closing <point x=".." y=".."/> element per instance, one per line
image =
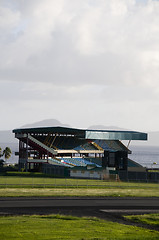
<point x="86" y="133"/>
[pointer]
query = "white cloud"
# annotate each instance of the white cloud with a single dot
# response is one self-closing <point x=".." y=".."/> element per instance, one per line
<point x="112" y="40"/>
<point x="100" y="53"/>
<point x="105" y="42"/>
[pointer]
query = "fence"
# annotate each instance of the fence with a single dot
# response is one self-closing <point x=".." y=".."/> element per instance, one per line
<point x="50" y="182"/>
<point x="147" y="176"/>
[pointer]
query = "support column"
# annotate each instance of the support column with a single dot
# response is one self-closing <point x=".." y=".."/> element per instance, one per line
<point x="26" y="163"/>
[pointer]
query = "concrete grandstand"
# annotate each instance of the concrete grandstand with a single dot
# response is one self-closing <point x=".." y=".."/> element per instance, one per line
<point x="56" y="150"/>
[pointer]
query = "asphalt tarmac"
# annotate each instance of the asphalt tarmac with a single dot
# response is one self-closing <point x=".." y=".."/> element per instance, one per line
<point x="41" y="205"/>
<point x="117" y="203"/>
<point x="106" y="208"/>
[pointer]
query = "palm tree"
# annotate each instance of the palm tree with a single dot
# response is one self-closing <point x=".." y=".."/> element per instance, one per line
<point x="1" y="163"/>
<point x="1" y="152"/>
<point x="7" y="153"/>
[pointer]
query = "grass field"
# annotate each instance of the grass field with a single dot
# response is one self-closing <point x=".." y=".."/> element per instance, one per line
<point x="26" y="184"/>
<point x="149" y="219"/>
<point x="64" y="182"/>
<point x="85" y="192"/>
<point x="68" y="227"/>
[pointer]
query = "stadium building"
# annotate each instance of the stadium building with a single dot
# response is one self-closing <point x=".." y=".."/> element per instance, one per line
<point x="76" y="152"/>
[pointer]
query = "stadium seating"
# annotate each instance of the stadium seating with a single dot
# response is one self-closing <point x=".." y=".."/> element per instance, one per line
<point x="58" y="162"/>
<point x="110" y="145"/>
<point x="79" y="162"/>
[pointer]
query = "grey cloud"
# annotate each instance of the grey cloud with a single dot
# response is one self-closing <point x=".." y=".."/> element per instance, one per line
<point x="98" y="58"/>
<point x="74" y="70"/>
<point x="56" y="50"/>
<point x="128" y="94"/>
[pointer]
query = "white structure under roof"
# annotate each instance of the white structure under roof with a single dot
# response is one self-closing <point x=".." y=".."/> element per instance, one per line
<point x="103" y="147"/>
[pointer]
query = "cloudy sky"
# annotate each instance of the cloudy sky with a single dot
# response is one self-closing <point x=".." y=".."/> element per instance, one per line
<point x="84" y="62"/>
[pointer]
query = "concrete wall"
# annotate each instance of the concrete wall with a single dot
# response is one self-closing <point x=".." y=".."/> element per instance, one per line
<point x="85" y="174"/>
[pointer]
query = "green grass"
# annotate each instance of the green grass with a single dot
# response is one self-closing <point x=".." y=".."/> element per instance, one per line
<point x="68" y="227"/>
<point x="150" y="219"/>
<point x="26" y="184"/>
<point x="73" y="192"/>
<point x="27" y="179"/>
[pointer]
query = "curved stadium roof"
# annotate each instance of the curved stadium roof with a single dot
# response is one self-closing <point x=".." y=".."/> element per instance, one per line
<point x="86" y="133"/>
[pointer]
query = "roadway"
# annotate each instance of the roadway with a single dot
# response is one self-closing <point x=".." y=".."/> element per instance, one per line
<point x="76" y="205"/>
<point x="109" y="202"/>
<point x="111" y="209"/>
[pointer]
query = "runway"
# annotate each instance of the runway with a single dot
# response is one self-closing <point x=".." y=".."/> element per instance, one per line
<point x="111" y="209"/>
<point x="117" y="203"/>
<point x="51" y="205"/>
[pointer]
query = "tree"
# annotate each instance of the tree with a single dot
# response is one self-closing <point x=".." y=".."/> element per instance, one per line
<point x="1" y="152"/>
<point x="7" y="153"/>
<point x="1" y="163"/>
